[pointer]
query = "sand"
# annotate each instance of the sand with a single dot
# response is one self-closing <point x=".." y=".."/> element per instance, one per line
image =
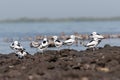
<point x="68" y="64"/>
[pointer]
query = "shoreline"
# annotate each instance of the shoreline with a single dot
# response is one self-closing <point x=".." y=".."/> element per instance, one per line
<point x="69" y="19"/>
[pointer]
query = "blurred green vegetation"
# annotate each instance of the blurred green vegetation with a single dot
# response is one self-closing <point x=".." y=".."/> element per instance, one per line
<point x="24" y="19"/>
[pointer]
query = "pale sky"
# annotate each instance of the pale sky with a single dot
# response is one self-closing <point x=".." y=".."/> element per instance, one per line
<point x="58" y="8"/>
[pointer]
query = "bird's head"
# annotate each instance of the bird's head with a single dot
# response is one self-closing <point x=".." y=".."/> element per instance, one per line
<point x="94" y="33"/>
<point x="55" y="37"/>
<point x="16" y="42"/>
<point x="72" y="36"/>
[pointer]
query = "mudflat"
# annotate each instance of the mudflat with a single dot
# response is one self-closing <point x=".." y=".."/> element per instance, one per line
<point x="67" y="64"/>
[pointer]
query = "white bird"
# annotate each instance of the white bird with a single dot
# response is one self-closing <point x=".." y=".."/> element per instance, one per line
<point x="57" y="42"/>
<point x="44" y="45"/>
<point x="70" y="41"/>
<point x="92" y="44"/>
<point x="16" y="46"/>
<point x="34" y="44"/>
<point x="96" y="35"/>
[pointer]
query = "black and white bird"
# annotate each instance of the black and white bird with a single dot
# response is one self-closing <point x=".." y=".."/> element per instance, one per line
<point x="40" y="46"/>
<point x="57" y="42"/>
<point x="19" y="50"/>
<point x="16" y="46"/>
<point x="92" y="44"/>
<point x="96" y="35"/>
<point x="70" y="41"/>
<point x="44" y="45"/>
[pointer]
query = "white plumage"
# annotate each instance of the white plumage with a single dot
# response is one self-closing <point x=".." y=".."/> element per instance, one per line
<point x="44" y="45"/>
<point x="21" y="53"/>
<point x="57" y="42"/>
<point x="34" y="44"/>
<point x="92" y="44"/>
<point x="70" y="41"/>
<point x="16" y="46"/>
<point x="19" y="50"/>
<point x="40" y="46"/>
<point x="96" y="35"/>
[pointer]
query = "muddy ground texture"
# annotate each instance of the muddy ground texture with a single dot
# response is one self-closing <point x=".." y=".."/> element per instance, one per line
<point x="102" y="64"/>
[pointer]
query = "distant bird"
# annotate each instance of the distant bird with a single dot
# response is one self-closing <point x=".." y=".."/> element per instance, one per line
<point x="16" y="46"/>
<point x="34" y="44"/>
<point x="96" y="35"/>
<point x="57" y="42"/>
<point x="92" y="44"/>
<point x="44" y="45"/>
<point x="70" y="41"/>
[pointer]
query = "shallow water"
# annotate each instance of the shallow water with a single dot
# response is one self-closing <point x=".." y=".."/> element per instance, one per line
<point x="18" y="30"/>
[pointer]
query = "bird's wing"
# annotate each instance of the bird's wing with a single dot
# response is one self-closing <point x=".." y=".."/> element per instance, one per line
<point x="69" y="41"/>
<point x="92" y="43"/>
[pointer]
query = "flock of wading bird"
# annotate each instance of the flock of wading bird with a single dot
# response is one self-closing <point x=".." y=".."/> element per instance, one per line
<point x="20" y="51"/>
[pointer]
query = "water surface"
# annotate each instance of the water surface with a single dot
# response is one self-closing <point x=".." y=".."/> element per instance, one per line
<point x="18" y="30"/>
